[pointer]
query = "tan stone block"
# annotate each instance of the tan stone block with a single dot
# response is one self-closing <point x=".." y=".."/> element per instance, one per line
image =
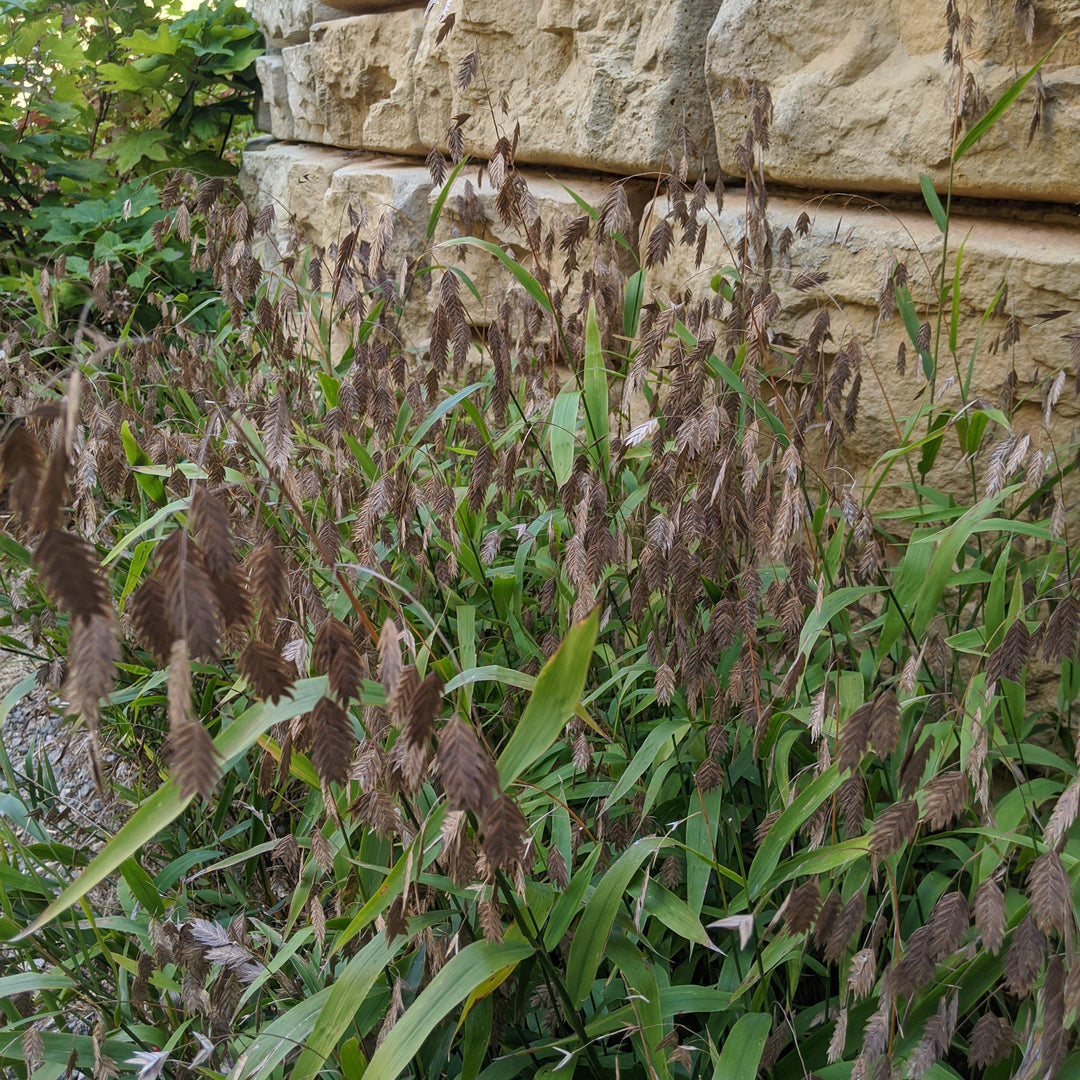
<point x="313" y="189"/>
<point x="594" y="84"/>
<point x="469" y="209"/>
<point x="318" y="187"/>
<point x="287" y="22"/>
<point x="351" y="85"/>
<point x="275" y="94"/>
<point x="863" y="100"/>
<point x="853" y="242"/>
<point x="294" y="180"/>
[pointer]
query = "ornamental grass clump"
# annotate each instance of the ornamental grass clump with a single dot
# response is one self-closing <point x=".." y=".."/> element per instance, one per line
<point x="540" y="697"/>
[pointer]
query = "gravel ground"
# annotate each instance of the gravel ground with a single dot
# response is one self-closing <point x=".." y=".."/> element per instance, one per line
<point x="36" y="731"/>
<point x="33" y="732"/>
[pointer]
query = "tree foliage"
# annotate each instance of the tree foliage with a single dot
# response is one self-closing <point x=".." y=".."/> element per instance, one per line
<point x="97" y="101"/>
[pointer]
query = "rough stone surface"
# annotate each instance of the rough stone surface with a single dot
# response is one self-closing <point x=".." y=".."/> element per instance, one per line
<point x="288" y="22"/>
<point x="862" y="97"/>
<point x="262" y="120"/>
<point x="596" y="84"/>
<point x="275" y="96"/>
<point x="351" y="85"/>
<point x="853" y="243"/>
<point x="293" y="179"/>
<point x="312" y="190"/>
<point x="863" y="100"/>
<point x="48" y="756"/>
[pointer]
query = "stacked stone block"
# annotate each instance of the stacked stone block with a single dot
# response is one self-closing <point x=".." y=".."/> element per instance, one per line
<point x="594" y="91"/>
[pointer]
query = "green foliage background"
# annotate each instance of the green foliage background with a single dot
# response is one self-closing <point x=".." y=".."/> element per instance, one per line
<point x="97" y="102"/>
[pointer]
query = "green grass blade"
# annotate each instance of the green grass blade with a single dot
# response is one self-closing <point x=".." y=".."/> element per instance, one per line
<point x="590" y="938"/>
<point x="566" y="908"/>
<point x="414" y="858"/>
<point x="440" y="199"/>
<point x="595" y="215"/>
<point x="661" y="738"/>
<point x="906" y="306"/>
<point x="345" y="998"/>
<point x="525" y="279"/>
<point x="723" y="371"/>
<point x="153" y="486"/>
<point x="554" y="698"/>
<point x="7" y="703"/>
<point x="561" y="434"/>
<point x="701" y="845"/>
<point x="994" y="113"/>
<point x="491" y="673"/>
<point x="822" y="861"/>
<point x="453" y="984"/>
<point x="674" y="914"/>
<point x="279" y="1039"/>
<point x="832" y="605"/>
<point x="582" y="204"/>
<point x="743" y="1046"/>
<point x="441" y="410"/>
<point x="787" y="824"/>
<point x="641" y="984"/>
<point x="954" y="314"/>
<point x="933" y="203"/>
<point x="146" y="526"/>
<point x="633" y="298"/>
<point x="949" y="543"/>
<point x="27" y="982"/>
<point x="166" y="804"/>
<point x="596" y="391"/>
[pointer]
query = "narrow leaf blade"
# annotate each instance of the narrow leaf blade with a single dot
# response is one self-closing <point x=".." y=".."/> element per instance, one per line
<point x="554" y="699"/>
<point x="166" y="804"/>
<point x="561" y="434"/>
<point x="596" y="390"/>
<point x="453" y="984"/>
<point x="742" y="1049"/>
<point x="345" y="998"/>
<point x="590" y="938"/>
<point x="525" y="279"/>
<point x="933" y="203"/>
<point x="994" y="113"/>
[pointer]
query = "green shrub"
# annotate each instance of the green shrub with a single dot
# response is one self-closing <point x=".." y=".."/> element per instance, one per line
<point x="95" y="102"/>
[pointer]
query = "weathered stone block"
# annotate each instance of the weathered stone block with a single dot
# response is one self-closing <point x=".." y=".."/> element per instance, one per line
<point x="863" y="100"/>
<point x="313" y="189"/>
<point x="351" y="85"/>
<point x="275" y="94"/>
<point x="854" y="243"/>
<point x="287" y="22"/>
<point x="294" y="180"/>
<point x="595" y="84"/>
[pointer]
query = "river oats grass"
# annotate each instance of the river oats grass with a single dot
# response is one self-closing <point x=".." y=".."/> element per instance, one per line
<point x="541" y="699"/>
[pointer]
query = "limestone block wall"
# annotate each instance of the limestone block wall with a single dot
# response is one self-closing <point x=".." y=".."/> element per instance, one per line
<point x="593" y="91"/>
<point x="863" y="99"/>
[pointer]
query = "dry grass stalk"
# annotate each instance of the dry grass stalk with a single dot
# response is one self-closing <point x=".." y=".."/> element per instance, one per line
<point x="192" y="756"/>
